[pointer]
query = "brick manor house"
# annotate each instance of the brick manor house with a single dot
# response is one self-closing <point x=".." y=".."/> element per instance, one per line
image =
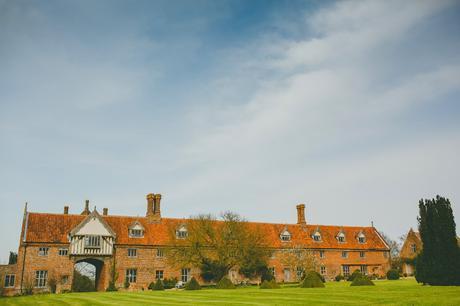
<point x="52" y="244"/>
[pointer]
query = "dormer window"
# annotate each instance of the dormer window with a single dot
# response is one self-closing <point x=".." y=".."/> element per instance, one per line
<point x="93" y="242"/>
<point x="361" y="238"/>
<point x="182" y="232"/>
<point x="136" y="233"/>
<point x="341" y="237"/>
<point x="413" y="248"/>
<point x="317" y="236"/>
<point x="285" y="236"/>
<point x="136" y="230"/>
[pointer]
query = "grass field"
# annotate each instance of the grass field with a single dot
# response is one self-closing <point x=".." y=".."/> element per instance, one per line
<point x="401" y="292"/>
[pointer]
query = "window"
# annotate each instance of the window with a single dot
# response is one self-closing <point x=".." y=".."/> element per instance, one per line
<point x="285" y="236"/>
<point x="317" y="236"/>
<point x="287" y="274"/>
<point x="322" y="254"/>
<point x="182" y="233"/>
<point x="413" y="248"/>
<point x="136" y="233"/>
<point x="159" y="274"/>
<point x="41" y="278"/>
<point x="299" y="272"/>
<point x="131" y="275"/>
<point x="362" y="254"/>
<point x="160" y="253"/>
<point x="132" y="252"/>
<point x="43" y="251"/>
<point x="346" y="270"/>
<point x="64" y="279"/>
<point x="341" y="237"/>
<point x="185" y="275"/>
<point x="361" y="238"/>
<point x="93" y="242"/>
<point x="9" y="280"/>
<point x="272" y="270"/>
<point x="363" y="270"/>
<point x="323" y="270"/>
<point x="63" y="252"/>
<point x="344" y="254"/>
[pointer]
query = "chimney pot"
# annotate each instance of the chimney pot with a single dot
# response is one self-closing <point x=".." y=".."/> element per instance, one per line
<point x="105" y="211"/>
<point x="66" y="210"/>
<point x="301" y="214"/>
<point x="150" y="199"/>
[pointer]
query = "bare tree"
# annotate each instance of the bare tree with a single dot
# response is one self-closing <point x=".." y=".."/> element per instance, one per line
<point x="299" y="259"/>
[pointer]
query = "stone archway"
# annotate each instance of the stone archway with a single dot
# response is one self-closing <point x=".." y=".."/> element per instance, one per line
<point x="99" y="273"/>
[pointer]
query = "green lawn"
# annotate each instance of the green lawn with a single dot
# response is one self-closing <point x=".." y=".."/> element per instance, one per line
<point x="400" y="292"/>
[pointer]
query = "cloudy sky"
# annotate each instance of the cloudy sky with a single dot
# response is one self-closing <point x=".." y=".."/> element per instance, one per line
<point x="252" y="106"/>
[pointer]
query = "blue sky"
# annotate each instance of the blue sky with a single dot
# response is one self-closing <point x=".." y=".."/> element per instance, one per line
<point x="251" y="106"/>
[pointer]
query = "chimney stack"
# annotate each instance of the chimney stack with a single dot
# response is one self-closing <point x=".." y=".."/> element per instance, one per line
<point x="105" y="211"/>
<point x="86" y="210"/>
<point x="301" y="214"/>
<point x="153" y="207"/>
<point x="150" y="198"/>
<point x="66" y="210"/>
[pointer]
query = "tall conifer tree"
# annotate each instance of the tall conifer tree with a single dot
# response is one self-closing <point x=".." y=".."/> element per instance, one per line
<point x="439" y="261"/>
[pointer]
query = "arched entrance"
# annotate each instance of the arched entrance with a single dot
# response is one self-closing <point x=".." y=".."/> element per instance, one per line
<point x="86" y="270"/>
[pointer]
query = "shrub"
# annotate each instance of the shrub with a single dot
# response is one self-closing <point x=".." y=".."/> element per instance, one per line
<point x="82" y="283"/>
<point x="169" y="283"/>
<point x="126" y="283"/>
<point x="392" y="274"/>
<point x="269" y="285"/>
<point x="353" y="275"/>
<point x="158" y="285"/>
<point x="312" y="280"/>
<point x="192" y="285"/>
<point x="362" y="280"/>
<point x="339" y="277"/>
<point x="225" y="283"/>
<point x="111" y="287"/>
<point x="321" y="277"/>
<point x="52" y="283"/>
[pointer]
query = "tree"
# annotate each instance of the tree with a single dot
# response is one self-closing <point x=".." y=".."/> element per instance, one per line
<point x="82" y="283"/>
<point x="439" y="261"/>
<point x="395" y="249"/>
<point x="298" y="258"/>
<point x="216" y="247"/>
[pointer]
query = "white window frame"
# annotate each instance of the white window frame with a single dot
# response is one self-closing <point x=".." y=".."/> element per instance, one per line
<point x="285" y="236"/>
<point x="160" y="253"/>
<point x="413" y="248"/>
<point x="272" y="270"/>
<point x="341" y="237"/>
<point x="299" y="272"/>
<point x="323" y="270"/>
<point x="361" y="239"/>
<point x="93" y="242"/>
<point x="132" y="253"/>
<point x="10" y="280"/>
<point x="41" y="278"/>
<point x="182" y="233"/>
<point x="159" y="274"/>
<point x="317" y="237"/>
<point x="43" y="251"/>
<point x="185" y="274"/>
<point x="363" y="269"/>
<point x="63" y="252"/>
<point x="136" y="233"/>
<point x="346" y="270"/>
<point x="131" y="275"/>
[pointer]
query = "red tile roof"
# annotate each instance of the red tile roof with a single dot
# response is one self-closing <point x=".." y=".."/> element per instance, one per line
<point x="54" y="228"/>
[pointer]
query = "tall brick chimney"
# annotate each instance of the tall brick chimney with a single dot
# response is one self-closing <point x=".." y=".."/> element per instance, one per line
<point x="105" y="211"/>
<point x="150" y="198"/>
<point x="153" y="207"/>
<point x="66" y="210"/>
<point x="86" y="210"/>
<point x="301" y="214"/>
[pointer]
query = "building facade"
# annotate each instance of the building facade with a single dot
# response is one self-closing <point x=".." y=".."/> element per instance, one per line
<point x="134" y="249"/>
